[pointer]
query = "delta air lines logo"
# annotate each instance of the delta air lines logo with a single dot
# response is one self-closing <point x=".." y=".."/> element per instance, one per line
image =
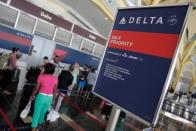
<point x="172" y="20"/>
<point x="151" y="20"/>
<point x="122" y="21"/>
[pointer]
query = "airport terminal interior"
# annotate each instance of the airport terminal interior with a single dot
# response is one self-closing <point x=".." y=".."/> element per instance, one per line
<point x="73" y="35"/>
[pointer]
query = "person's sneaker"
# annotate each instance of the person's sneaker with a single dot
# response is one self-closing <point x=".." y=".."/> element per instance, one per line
<point x="7" y="92"/>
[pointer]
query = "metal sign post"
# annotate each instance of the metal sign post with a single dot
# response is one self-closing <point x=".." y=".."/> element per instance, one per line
<point x="113" y="119"/>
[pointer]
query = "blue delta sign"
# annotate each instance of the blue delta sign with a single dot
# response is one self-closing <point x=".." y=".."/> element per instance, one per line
<point x="138" y="59"/>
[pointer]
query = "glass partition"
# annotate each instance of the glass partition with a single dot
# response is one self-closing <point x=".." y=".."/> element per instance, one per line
<point x="45" y="29"/>
<point x="76" y="42"/>
<point x="9" y="18"/>
<point x="63" y="37"/>
<point x="87" y="46"/>
<point x="99" y="50"/>
<point x="25" y="23"/>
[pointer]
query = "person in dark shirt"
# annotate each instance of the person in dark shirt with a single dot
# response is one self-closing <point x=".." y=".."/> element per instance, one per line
<point x="9" y="72"/>
<point x="65" y="80"/>
<point x="56" y="61"/>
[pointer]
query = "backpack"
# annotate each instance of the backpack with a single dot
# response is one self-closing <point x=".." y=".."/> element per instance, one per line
<point x="3" y="61"/>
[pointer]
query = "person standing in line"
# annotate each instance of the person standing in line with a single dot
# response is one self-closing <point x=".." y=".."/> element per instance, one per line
<point x="46" y="86"/>
<point x="65" y="80"/>
<point x="45" y="61"/>
<point x="75" y="74"/>
<point x="106" y="109"/>
<point x="56" y="61"/>
<point x="83" y="79"/>
<point x="91" y="79"/>
<point x="11" y="67"/>
<point x="121" y="122"/>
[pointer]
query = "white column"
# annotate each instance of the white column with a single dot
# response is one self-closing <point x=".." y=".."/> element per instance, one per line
<point x="81" y="44"/>
<point x="34" y="27"/>
<point x="17" y="18"/>
<point x="71" y="40"/>
<point x="94" y="46"/>
<point x="54" y="35"/>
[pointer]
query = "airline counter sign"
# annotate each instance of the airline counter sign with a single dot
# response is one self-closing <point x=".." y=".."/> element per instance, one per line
<point x="70" y="56"/>
<point x="10" y="38"/>
<point x="138" y="58"/>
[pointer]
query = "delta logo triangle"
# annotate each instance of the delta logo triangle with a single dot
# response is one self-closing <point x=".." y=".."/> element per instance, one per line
<point x="122" y="21"/>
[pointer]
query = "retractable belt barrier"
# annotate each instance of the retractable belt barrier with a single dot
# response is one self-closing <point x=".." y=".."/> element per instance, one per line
<point x="73" y="91"/>
<point x="11" y="127"/>
<point x="7" y="120"/>
<point x="68" y="101"/>
<point x="22" y="127"/>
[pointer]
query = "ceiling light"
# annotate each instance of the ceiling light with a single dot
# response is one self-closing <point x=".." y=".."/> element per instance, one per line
<point x="106" y="18"/>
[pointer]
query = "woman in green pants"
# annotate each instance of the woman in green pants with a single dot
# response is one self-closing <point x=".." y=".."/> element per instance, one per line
<point x="46" y="85"/>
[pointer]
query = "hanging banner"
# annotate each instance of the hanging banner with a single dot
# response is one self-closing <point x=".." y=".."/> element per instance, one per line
<point x="70" y="56"/>
<point x="89" y="35"/>
<point x="28" y="7"/>
<point x="138" y="59"/>
<point x="10" y="38"/>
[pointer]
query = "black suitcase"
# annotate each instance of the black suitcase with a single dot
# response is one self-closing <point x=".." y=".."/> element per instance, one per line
<point x="13" y="85"/>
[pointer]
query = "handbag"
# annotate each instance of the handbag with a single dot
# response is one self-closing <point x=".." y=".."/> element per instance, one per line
<point x="26" y="110"/>
<point x="52" y="115"/>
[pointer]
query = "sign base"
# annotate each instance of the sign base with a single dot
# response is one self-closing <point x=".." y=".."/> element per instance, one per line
<point x="148" y="129"/>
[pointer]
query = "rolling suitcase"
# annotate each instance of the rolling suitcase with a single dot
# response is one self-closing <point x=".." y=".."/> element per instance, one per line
<point x="13" y="85"/>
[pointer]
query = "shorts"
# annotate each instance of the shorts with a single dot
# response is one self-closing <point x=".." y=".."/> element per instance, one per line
<point x="82" y="84"/>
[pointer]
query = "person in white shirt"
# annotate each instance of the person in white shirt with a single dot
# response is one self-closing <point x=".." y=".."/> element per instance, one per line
<point x="91" y="79"/>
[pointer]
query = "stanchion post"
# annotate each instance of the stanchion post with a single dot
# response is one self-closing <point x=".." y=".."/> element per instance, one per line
<point x="113" y="119"/>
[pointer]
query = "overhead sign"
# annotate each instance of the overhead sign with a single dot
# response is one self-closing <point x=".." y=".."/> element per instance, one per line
<point x="138" y="59"/>
<point x="89" y="35"/>
<point x="10" y="38"/>
<point x="41" y="13"/>
<point x="71" y="56"/>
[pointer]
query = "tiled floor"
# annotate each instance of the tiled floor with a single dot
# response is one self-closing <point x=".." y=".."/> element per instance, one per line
<point x="79" y="114"/>
<point x="73" y="110"/>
